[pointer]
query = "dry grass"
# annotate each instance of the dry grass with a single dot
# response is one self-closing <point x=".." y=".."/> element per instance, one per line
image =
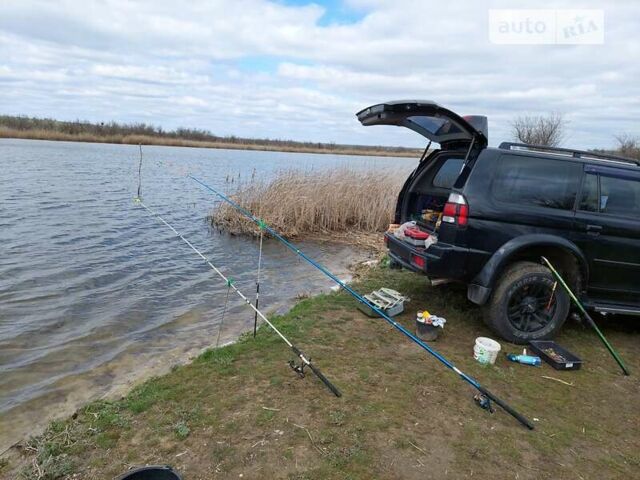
<point x="334" y="203"/>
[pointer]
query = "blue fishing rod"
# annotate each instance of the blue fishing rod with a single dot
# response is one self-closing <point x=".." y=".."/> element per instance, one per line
<point x="485" y="397"/>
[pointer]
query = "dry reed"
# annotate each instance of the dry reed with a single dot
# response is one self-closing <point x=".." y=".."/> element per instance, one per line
<point x="335" y="204"/>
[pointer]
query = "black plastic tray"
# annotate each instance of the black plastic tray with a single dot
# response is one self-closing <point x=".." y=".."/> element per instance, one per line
<point x="571" y="362"/>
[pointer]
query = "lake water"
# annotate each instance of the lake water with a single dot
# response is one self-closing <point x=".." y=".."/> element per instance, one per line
<point x="95" y="294"/>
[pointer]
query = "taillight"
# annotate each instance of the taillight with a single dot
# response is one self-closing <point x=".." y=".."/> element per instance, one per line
<point x="449" y="212"/>
<point x="418" y="261"/>
<point x="456" y="210"/>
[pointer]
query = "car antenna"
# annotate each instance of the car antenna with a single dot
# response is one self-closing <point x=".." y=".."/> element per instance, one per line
<point x="485" y="396"/>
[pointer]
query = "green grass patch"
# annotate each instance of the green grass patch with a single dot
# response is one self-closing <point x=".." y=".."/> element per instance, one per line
<point x="182" y="430"/>
<point x="398" y="403"/>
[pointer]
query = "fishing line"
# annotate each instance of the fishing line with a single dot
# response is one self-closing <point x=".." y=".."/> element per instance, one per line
<point x="305" y="361"/>
<point x="470" y="380"/>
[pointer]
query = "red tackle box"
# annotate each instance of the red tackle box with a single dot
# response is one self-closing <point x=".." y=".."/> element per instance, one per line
<point x="415" y="236"/>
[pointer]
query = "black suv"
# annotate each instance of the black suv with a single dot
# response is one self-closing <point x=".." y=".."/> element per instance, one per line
<point x="496" y="211"/>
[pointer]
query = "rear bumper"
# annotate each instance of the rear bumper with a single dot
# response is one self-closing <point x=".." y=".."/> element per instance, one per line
<point x="441" y="260"/>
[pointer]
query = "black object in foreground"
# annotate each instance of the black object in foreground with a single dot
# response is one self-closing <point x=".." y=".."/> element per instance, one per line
<point x="558" y="357"/>
<point x="154" y="472"/>
<point x="299" y="369"/>
<point x="521" y="418"/>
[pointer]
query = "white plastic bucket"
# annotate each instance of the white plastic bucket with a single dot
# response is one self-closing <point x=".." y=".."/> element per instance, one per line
<point x="486" y="350"/>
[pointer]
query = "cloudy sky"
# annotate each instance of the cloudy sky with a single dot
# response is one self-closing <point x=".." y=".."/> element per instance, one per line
<point x="300" y="70"/>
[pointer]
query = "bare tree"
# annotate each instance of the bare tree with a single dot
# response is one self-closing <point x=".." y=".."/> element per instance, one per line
<point x="628" y="146"/>
<point x="547" y="130"/>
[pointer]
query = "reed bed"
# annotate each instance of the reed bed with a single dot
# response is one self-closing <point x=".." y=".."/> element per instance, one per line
<point x="337" y="204"/>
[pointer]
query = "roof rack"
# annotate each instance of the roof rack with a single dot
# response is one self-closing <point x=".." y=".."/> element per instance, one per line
<point x="568" y="152"/>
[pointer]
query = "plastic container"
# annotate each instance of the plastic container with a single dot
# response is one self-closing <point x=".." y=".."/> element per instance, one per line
<point x="563" y="360"/>
<point x="414" y="232"/>
<point x="524" y="359"/>
<point x="414" y="241"/>
<point x="425" y="331"/>
<point x="486" y="350"/>
<point x="385" y="299"/>
<point x="154" y="472"/>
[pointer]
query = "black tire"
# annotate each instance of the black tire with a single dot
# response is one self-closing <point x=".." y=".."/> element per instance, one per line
<point x="517" y="309"/>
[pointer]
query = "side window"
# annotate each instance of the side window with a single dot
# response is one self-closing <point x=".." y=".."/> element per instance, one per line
<point x="537" y="181"/>
<point x="589" y="197"/>
<point x="620" y="196"/>
<point x="448" y="173"/>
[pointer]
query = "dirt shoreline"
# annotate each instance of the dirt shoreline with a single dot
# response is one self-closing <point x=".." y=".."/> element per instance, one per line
<point x="177" y="142"/>
<point x="124" y="379"/>
<point x="239" y="411"/>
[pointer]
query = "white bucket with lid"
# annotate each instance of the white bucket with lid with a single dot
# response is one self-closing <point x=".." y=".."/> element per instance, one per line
<point x="486" y="350"/>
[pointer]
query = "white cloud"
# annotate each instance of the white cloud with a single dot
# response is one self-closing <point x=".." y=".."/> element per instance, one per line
<point x="260" y="68"/>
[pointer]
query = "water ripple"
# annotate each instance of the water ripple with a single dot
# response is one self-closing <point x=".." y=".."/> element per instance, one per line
<point x="94" y="292"/>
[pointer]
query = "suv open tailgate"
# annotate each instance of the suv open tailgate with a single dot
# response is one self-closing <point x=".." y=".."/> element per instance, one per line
<point x="429" y="119"/>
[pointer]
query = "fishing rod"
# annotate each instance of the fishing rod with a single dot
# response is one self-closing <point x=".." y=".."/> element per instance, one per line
<point x="255" y="317"/>
<point x="305" y="361"/>
<point x="593" y="325"/>
<point x="140" y="172"/>
<point x="485" y="395"/>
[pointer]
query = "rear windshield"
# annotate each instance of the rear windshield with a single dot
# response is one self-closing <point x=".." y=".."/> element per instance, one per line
<point x="537" y="181"/>
<point x="448" y="173"/>
<point x="434" y="126"/>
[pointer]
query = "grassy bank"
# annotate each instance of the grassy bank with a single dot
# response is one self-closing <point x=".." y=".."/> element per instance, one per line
<point x="336" y="202"/>
<point x="147" y="135"/>
<point x="240" y="412"/>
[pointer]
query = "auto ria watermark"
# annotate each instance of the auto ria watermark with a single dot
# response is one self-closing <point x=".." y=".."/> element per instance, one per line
<point x="546" y="27"/>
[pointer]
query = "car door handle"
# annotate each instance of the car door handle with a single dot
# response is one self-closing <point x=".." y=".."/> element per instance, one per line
<point x="594" y="229"/>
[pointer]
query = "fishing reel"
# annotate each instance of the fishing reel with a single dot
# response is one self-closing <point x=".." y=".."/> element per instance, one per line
<point x="299" y="369"/>
<point x="483" y="402"/>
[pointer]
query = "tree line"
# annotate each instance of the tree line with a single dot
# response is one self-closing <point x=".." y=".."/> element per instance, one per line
<point x="545" y="130"/>
<point x="111" y="129"/>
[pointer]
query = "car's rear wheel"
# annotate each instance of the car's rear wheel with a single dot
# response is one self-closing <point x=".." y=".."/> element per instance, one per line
<point x="525" y="305"/>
